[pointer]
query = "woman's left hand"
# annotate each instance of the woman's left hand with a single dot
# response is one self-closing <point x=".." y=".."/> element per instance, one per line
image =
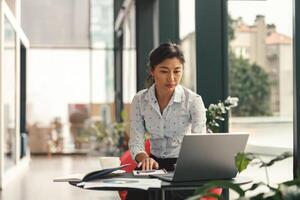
<point x="148" y="164"/>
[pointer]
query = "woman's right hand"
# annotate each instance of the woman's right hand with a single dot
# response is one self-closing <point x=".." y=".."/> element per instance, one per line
<point x="146" y="163"/>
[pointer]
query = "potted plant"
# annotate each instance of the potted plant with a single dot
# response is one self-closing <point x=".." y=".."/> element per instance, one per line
<point x="106" y="139"/>
<point x="216" y="113"/>
<point x="289" y="190"/>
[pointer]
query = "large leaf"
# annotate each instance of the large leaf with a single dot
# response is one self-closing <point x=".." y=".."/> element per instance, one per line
<point x="204" y="190"/>
<point x="273" y="196"/>
<point x="258" y="196"/>
<point x="255" y="186"/>
<point x="242" y="160"/>
<point x="278" y="158"/>
<point x="290" y="192"/>
<point x="292" y="182"/>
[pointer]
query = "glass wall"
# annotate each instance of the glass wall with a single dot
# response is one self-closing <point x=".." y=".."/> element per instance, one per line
<point x="102" y="16"/>
<point x="261" y="76"/>
<point x="129" y="60"/>
<point x="129" y="57"/>
<point x="9" y="94"/>
<point x="68" y="27"/>
<point x="188" y="42"/>
<point x="12" y="145"/>
<point x="70" y="73"/>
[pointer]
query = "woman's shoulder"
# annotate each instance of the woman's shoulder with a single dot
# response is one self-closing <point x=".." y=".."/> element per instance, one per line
<point x="140" y="94"/>
<point x="189" y="94"/>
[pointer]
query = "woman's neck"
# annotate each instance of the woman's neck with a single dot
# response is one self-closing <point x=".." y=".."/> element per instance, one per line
<point x="163" y="98"/>
<point x="163" y="95"/>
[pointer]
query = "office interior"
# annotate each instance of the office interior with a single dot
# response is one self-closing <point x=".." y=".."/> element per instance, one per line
<point x="69" y="70"/>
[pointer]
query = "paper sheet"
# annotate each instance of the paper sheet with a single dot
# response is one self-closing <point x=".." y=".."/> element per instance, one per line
<point x="145" y="173"/>
<point x="137" y="183"/>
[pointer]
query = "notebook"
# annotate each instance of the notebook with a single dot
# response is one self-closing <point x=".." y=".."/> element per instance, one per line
<point x="91" y="175"/>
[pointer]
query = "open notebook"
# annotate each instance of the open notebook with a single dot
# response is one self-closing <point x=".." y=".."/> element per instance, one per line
<point x="91" y="175"/>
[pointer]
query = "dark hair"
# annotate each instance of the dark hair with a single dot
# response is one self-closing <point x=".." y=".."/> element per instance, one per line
<point x="161" y="53"/>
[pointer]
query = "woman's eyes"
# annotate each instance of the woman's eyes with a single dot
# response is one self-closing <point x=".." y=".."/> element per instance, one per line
<point x="164" y="71"/>
<point x="176" y="72"/>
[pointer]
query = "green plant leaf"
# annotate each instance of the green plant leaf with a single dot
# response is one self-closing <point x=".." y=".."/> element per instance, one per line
<point x="278" y="158"/>
<point x="289" y="192"/>
<point x="255" y="186"/>
<point x="292" y="182"/>
<point x="242" y="160"/>
<point x="123" y="113"/>
<point x="273" y="196"/>
<point x="204" y="190"/>
<point x="220" y="118"/>
<point x="258" y="196"/>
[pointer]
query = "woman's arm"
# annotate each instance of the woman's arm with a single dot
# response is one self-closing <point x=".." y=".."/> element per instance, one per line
<point x="198" y="114"/>
<point x="137" y="129"/>
<point x="136" y="140"/>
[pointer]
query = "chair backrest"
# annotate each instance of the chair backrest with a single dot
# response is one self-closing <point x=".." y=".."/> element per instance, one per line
<point x="127" y="159"/>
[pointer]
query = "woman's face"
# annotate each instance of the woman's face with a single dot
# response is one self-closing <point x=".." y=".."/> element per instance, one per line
<point x="167" y="74"/>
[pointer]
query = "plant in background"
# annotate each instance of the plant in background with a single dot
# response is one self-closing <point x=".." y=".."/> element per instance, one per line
<point x="119" y="132"/>
<point x="216" y="113"/>
<point x="289" y="190"/>
<point x="106" y="139"/>
<point x="251" y="84"/>
<point x="98" y="130"/>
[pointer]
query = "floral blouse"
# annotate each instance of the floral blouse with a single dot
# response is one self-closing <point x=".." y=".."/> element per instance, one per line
<point x="184" y="114"/>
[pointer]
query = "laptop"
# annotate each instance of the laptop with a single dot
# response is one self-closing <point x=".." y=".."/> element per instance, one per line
<point x="207" y="157"/>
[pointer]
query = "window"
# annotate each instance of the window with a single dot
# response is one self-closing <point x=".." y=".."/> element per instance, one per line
<point x="188" y="42"/>
<point x="102" y="16"/>
<point x="70" y="69"/>
<point x="68" y="27"/>
<point x="9" y="95"/>
<point x="129" y="57"/>
<point x="261" y="76"/>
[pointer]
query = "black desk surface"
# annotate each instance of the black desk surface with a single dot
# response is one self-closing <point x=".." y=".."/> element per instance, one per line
<point x="167" y="185"/>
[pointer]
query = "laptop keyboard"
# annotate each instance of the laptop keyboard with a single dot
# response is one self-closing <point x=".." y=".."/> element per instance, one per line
<point x="166" y="177"/>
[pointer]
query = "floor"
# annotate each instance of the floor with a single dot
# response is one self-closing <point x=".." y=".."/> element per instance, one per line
<point x="35" y="181"/>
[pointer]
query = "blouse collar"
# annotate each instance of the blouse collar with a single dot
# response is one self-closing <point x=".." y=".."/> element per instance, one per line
<point x="178" y="95"/>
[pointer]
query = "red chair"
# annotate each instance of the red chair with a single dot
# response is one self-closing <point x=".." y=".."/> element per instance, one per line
<point x="126" y="159"/>
<point x="217" y="191"/>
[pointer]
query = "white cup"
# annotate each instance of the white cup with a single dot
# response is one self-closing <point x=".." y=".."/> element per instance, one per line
<point x="109" y="162"/>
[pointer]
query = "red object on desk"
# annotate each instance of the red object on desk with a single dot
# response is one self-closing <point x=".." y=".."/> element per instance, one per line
<point x="127" y="159"/>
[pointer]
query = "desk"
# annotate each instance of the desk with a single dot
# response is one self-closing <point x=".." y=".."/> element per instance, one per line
<point x="159" y="193"/>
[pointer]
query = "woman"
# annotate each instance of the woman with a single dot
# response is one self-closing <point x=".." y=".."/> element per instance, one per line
<point x="166" y="111"/>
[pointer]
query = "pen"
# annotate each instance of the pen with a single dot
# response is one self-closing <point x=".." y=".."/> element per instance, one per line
<point x="146" y="171"/>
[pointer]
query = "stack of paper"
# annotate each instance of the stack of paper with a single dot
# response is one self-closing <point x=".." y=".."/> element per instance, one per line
<point x="137" y="183"/>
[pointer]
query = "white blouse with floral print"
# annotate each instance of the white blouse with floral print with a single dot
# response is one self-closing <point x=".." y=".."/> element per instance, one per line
<point x="184" y="114"/>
